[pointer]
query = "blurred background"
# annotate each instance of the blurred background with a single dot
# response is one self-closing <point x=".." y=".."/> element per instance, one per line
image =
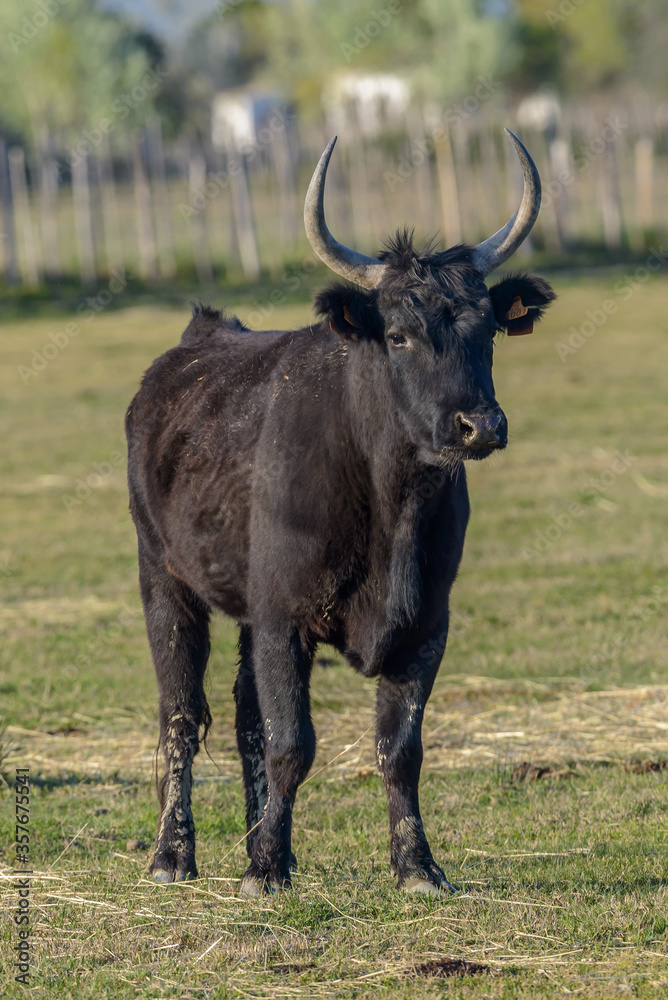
<point x="156" y="151"/>
<point x="173" y="139"/>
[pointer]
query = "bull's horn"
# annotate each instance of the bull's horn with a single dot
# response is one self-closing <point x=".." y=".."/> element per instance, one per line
<point x="363" y="270"/>
<point x="489" y="255"/>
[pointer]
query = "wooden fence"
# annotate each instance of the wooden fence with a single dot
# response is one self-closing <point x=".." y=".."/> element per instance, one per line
<point x="134" y="203"/>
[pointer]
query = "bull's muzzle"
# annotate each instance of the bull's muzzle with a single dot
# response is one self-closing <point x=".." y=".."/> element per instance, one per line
<point x="482" y="431"/>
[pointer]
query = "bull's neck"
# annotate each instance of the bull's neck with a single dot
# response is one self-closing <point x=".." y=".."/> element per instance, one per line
<point x="400" y="481"/>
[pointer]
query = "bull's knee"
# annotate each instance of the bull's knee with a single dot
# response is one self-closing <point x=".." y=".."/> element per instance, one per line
<point x="399" y="763"/>
<point x="289" y="761"/>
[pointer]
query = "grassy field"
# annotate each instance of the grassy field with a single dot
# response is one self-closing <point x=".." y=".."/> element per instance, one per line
<point x="543" y="792"/>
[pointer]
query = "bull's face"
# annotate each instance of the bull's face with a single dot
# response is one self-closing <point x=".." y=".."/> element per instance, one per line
<point x="439" y="353"/>
<point x="433" y="333"/>
<point x="434" y="319"/>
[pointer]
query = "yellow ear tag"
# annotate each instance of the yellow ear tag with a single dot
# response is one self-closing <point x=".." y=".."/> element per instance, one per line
<point x="518" y="322"/>
<point x="517" y="310"/>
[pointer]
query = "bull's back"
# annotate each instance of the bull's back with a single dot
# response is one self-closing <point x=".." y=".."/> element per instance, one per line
<point x="193" y="432"/>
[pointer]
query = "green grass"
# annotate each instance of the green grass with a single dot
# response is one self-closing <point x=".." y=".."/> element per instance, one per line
<point x="556" y="657"/>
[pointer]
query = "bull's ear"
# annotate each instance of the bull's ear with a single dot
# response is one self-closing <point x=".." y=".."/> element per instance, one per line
<point x="352" y="314"/>
<point x="519" y="301"/>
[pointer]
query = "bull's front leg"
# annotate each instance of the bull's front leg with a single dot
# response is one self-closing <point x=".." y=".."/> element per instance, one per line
<point x="404" y="687"/>
<point x="281" y="667"/>
<point x="250" y="738"/>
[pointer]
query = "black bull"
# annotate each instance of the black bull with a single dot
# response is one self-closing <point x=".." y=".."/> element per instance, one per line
<point x="310" y="484"/>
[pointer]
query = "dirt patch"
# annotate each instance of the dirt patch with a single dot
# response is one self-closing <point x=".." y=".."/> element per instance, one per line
<point x="525" y="771"/>
<point x="443" y="968"/>
<point x="647" y="766"/>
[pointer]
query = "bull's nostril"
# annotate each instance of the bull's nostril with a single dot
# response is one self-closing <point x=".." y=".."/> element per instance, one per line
<point x="466" y="428"/>
<point x="501" y="427"/>
<point x="481" y="431"/>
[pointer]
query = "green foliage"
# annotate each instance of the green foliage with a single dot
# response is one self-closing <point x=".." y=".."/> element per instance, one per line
<point x="587" y="45"/>
<point x="63" y="64"/>
<point x="440" y="49"/>
<point x="224" y="50"/>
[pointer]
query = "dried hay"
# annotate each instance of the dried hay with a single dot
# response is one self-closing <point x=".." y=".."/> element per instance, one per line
<point x="535" y="731"/>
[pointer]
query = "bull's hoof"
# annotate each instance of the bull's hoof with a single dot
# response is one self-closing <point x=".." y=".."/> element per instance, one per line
<point x="256" y="883"/>
<point x="424" y="876"/>
<point x="168" y="866"/>
<point x="182" y="876"/>
<point x="426" y="886"/>
<point x="253" y="888"/>
<point x="163" y="876"/>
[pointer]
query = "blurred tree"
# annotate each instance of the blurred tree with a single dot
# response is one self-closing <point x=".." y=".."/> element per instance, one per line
<point x="595" y="51"/>
<point x="225" y="49"/>
<point x="440" y="48"/>
<point x="645" y="28"/>
<point x="588" y="45"/>
<point x="65" y="65"/>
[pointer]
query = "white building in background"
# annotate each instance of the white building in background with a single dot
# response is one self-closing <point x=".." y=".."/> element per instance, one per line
<point x="240" y="118"/>
<point x="540" y="110"/>
<point x="372" y="101"/>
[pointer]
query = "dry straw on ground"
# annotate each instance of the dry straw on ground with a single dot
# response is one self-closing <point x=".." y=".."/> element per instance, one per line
<point x="469" y="721"/>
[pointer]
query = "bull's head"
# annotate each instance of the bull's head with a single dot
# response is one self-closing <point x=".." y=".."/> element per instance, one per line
<point x="434" y="319"/>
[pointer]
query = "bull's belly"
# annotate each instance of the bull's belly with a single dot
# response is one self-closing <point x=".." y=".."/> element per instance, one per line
<point x="204" y="527"/>
<point x="218" y="573"/>
<point x="221" y="583"/>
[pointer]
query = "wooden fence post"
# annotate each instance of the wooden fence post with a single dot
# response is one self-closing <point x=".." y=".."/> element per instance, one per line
<point x="608" y="199"/>
<point x="644" y="189"/>
<point x="243" y="213"/>
<point x="287" y="193"/>
<point x="8" y="263"/>
<point x="83" y="221"/>
<point x="422" y="186"/>
<point x="29" y="261"/>
<point x="447" y="183"/>
<point x="358" y="191"/>
<point x="145" y="235"/>
<point x="113" y="246"/>
<point x="49" y="181"/>
<point x="161" y="201"/>
<point x="197" y="224"/>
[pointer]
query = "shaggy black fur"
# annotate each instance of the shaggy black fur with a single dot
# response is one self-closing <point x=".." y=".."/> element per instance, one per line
<point x="309" y="483"/>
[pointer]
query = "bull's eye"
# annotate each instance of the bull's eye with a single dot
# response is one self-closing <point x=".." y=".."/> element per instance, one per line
<point x="398" y="340"/>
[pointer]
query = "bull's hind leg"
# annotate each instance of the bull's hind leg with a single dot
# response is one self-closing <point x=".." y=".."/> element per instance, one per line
<point x="177" y="621"/>
<point x="403" y="691"/>
<point x="281" y="674"/>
